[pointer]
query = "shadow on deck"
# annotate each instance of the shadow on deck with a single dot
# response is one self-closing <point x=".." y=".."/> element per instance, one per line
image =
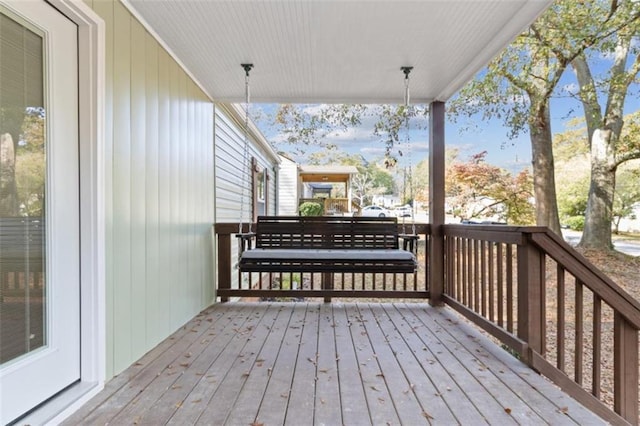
<point x="334" y="364"/>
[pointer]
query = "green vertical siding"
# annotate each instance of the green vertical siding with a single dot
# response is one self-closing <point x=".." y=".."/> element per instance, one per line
<point x="159" y="190"/>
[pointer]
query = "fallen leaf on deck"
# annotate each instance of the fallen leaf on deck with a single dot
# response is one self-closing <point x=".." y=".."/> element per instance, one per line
<point x="375" y="388"/>
<point x="196" y="401"/>
<point x="427" y="415"/>
<point x="507" y="410"/>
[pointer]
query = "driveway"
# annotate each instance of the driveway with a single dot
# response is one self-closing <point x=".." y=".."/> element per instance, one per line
<point x="631" y="247"/>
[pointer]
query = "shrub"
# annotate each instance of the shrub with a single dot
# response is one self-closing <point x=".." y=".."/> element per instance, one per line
<point x="575" y="222"/>
<point x="310" y="209"/>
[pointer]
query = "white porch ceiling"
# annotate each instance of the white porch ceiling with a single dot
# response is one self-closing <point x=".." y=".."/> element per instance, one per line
<point x="316" y="51"/>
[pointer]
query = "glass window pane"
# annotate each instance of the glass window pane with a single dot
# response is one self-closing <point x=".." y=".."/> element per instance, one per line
<point x="22" y="191"/>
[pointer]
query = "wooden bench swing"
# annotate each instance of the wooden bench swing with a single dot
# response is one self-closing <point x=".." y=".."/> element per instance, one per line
<point x="326" y="244"/>
<point x="323" y="243"/>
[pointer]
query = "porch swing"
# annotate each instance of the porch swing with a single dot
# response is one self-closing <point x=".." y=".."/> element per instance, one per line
<point x="322" y="243"/>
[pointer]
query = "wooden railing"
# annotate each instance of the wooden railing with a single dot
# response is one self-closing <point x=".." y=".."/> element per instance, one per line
<point x="332" y="206"/>
<point x="325" y="285"/>
<point x="563" y="317"/>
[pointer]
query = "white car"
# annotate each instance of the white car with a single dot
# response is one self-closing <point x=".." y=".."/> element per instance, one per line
<point x="375" y="211"/>
<point x="403" y="211"/>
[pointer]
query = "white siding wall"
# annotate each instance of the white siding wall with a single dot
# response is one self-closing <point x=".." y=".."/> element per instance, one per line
<point x="159" y="191"/>
<point x="288" y="188"/>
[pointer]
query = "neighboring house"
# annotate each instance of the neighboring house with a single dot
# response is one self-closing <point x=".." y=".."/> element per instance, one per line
<point x="386" y="200"/>
<point x="287" y="187"/>
<point x="242" y="181"/>
<point x="631" y="223"/>
<point x="245" y="185"/>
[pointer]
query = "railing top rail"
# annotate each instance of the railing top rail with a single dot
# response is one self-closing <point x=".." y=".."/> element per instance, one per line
<point x="494" y="233"/>
<point x="463" y="229"/>
<point x="232" y="227"/>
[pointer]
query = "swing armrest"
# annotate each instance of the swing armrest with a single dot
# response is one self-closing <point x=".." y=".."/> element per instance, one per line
<point x="245" y="241"/>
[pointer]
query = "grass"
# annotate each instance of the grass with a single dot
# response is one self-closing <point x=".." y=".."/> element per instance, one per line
<point x="627" y="236"/>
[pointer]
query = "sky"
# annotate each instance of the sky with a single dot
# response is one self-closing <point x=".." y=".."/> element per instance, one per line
<point x="469" y="136"/>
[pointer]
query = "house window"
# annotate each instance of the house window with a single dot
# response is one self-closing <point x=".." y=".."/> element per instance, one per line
<point x="260" y="189"/>
<point x="261" y="185"/>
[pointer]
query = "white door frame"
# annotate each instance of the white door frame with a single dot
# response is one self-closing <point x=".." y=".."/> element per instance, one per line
<point x="91" y="89"/>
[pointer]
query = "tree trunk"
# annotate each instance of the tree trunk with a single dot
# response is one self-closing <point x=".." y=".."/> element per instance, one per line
<point x="544" y="182"/>
<point x="598" y="217"/>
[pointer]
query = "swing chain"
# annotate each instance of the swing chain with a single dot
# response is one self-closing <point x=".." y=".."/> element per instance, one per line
<point x="407" y="70"/>
<point x="246" y="163"/>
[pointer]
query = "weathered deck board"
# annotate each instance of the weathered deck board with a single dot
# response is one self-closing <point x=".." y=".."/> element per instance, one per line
<point x="352" y="396"/>
<point x="301" y="396"/>
<point x="352" y="364"/>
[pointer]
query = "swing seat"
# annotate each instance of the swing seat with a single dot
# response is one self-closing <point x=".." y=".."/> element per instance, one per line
<point x="327" y="244"/>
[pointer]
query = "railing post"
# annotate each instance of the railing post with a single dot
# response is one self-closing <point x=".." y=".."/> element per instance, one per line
<point x="224" y="263"/>
<point x="625" y="369"/>
<point x="327" y="284"/>
<point x="531" y="298"/>
<point x="436" y="201"/>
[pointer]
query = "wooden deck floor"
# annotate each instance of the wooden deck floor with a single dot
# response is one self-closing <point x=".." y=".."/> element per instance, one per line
<point x="329" y="364"/>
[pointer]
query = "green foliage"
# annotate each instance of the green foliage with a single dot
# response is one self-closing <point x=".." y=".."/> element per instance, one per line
<point x="311" y="209"/>
<point x="308" y="127"/>
<point x="288" y="279"/>
<point x="572" y="197"/>
<point x="574" y="222"/>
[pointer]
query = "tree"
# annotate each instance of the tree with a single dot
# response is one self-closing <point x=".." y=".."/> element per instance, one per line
<point x="420" y="180"/>
<point x="476" y="189"/>
<point x="518" y="85"/>
<point x="604" y="129"/>
<point x="362" y="185"/>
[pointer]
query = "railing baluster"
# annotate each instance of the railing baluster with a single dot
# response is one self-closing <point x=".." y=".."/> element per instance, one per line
<point x="579" y="332"/>
<point x="465" y="281"/>
<point x="510" y="301"/>
<point x="458" y="260"/>
<point x="483" y="278"/>
<point x="492" y="301"/>
<point x="500" y="283"/>
<point x="625" y="374"/>
<point x="597" y="346"/>
<point x="560" y="331"/>
<point x="476" y="275"/>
